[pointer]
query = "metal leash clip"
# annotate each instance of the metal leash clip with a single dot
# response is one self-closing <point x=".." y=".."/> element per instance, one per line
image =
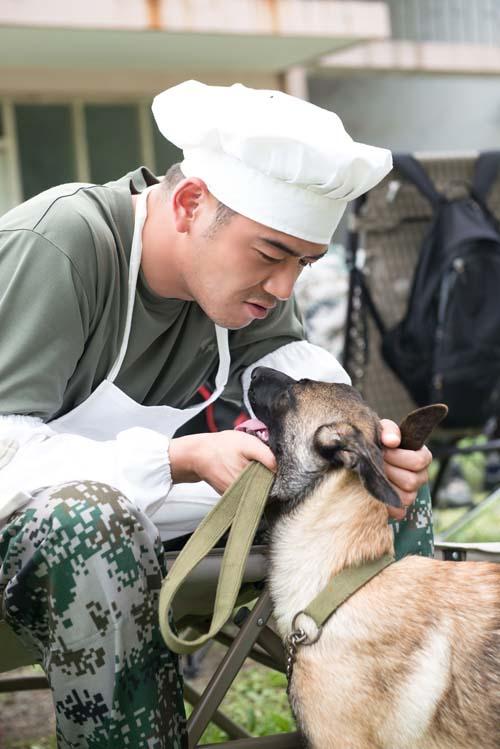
<point x="293" y="640"/>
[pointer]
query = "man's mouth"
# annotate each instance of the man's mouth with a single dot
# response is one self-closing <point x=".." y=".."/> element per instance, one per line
<point x="255" y="427"/>
<point x="258" y="310"/>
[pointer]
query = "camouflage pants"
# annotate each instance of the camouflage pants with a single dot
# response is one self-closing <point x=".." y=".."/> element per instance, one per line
<point x="414" y="535"/>
<point x="80" y="571"/>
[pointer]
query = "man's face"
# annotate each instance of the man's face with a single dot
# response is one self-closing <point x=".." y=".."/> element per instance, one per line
<point x="240" y="271"/>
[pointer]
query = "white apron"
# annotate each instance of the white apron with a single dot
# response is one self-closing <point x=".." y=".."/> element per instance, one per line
<point x="108" y="410"/>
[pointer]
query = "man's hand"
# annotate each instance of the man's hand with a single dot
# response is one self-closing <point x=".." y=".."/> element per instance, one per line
<point x="216" y="458"/>
<point x="405" y="469"/>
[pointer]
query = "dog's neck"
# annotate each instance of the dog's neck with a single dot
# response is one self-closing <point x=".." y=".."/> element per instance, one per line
<point x="339" y="525"/>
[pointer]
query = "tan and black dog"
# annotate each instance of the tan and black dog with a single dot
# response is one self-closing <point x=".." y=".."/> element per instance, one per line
<point x="412" y="659"/>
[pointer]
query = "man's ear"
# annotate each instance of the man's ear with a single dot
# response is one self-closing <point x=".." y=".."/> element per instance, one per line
<point x="343" y="445"/>
<point x="186" y="198"/>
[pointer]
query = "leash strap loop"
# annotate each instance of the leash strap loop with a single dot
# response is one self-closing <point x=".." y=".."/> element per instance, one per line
<point x="241" y="507"/>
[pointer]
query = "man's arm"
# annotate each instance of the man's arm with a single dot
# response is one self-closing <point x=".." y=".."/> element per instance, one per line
<point x="216" y="458"/>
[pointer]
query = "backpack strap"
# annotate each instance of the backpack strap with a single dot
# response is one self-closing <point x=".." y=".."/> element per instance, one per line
<point x="485" y="173"/>
<point x="415" y="173"/>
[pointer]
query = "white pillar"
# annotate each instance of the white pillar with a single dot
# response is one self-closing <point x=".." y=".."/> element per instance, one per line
<point x="295" y="82"/>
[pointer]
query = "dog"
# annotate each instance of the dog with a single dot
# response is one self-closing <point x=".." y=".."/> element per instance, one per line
<point x="412" y="659"/>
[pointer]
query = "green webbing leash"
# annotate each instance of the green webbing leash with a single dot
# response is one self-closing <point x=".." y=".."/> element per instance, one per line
<point x="240" y="507"/>
<point x="341" y="587"/>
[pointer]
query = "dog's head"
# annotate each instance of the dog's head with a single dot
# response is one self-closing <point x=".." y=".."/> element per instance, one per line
<point x="315" y="428"/>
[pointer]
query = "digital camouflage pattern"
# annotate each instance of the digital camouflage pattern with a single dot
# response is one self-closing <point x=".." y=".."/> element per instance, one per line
<point x="80" y="573"/>
<point x="415" y="534"/>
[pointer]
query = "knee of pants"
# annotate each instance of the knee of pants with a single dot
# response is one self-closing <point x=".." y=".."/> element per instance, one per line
<point x="82" y="547"/>
<point x="92" y="510"/>
<point x="83" y="524"/>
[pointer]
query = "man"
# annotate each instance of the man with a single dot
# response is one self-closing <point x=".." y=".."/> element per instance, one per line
<point x="108" y="299"/>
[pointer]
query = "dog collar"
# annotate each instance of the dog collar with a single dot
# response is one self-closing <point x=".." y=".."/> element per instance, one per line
<point x="323" y="606"/>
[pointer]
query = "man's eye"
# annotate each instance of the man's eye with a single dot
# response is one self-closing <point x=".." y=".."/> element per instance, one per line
<point x="303" y="262"/>
<point x="270" y="258"/>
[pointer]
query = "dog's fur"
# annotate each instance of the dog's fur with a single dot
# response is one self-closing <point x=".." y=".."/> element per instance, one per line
<point x="412" y="659"/>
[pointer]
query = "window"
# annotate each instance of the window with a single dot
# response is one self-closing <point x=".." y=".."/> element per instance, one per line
<point x="45" y="145"/>
<point x="5" y="203"/>
<point x="82" y="141"/>
<point x="113" y="140"/>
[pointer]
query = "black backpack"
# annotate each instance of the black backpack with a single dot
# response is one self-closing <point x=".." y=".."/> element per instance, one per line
<point x="447" y="347"/>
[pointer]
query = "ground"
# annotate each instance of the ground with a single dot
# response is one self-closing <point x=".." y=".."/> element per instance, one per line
<point x="26" y="718"/>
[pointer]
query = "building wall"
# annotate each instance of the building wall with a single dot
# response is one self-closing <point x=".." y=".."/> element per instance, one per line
<point x="423" y="112"/>
<point x="412" y="112"/>
<point x="409" y="113"/>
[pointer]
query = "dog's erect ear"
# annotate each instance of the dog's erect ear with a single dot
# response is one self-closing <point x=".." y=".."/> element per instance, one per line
<point x="344" y="445"/>
<point x="418" y="425"/>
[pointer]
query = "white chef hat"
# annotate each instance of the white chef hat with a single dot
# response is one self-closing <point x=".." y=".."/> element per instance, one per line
<point x="276" y="159"/>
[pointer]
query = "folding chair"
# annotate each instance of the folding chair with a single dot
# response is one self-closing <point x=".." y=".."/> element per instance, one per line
<point x="385" y="234"/>
<point x="455" y="552"/>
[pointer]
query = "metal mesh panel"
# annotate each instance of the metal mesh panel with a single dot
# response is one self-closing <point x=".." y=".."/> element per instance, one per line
<point x="392" y="224"/>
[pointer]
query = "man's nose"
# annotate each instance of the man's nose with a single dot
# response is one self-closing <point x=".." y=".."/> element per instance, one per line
<point x="281" y="282"/>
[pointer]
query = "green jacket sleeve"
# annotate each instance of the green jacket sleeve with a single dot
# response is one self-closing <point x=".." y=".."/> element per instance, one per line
<point x="44" y="321"/>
